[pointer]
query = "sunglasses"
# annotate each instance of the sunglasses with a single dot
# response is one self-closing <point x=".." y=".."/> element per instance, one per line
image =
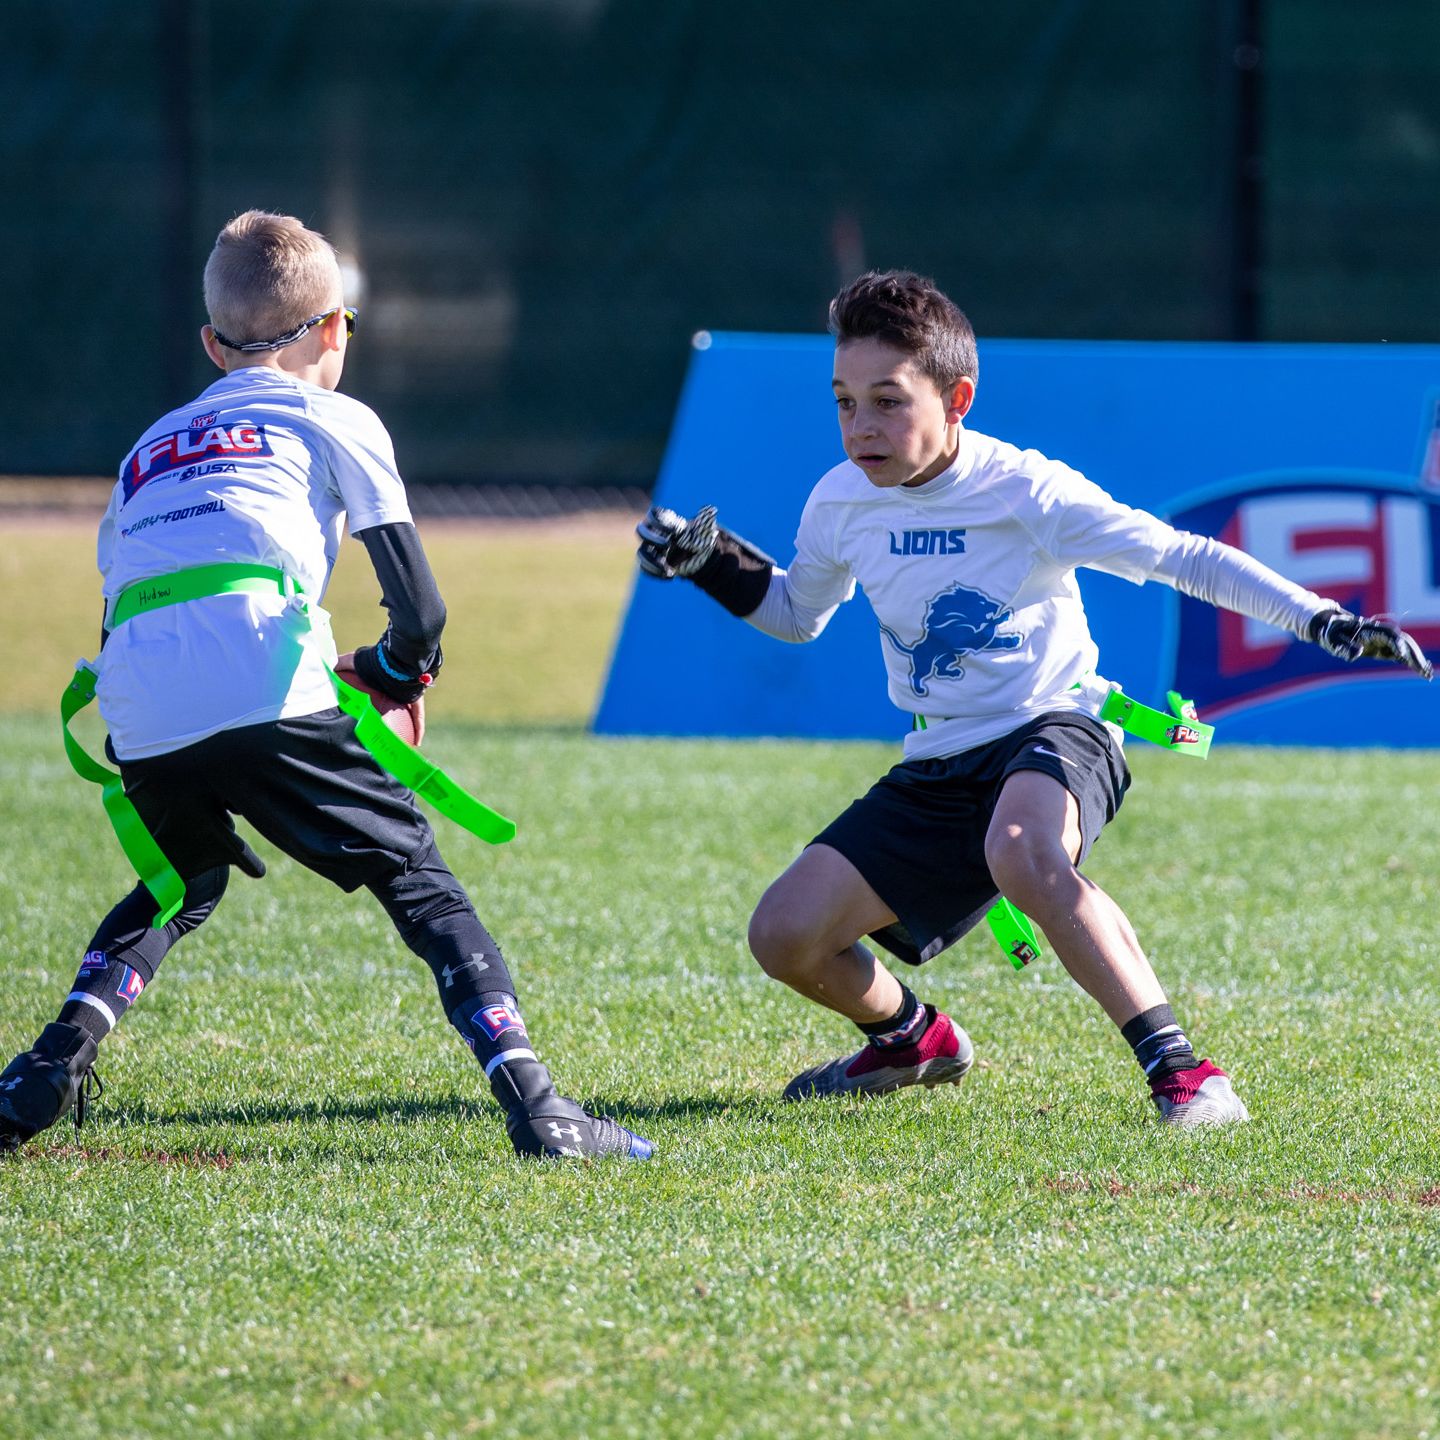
<point x="251" y="347"/>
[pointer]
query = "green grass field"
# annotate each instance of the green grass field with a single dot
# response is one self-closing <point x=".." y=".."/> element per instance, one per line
<point x="294" y="1212"/>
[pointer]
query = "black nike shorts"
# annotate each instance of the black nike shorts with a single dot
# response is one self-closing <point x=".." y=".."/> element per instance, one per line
<point x="306" y="784"/>
<point x="918" y="834"/>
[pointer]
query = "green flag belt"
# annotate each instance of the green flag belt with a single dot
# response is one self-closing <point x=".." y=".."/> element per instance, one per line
<point x="389" y="751"/>
<point x="1179" y="729"/>
<point x="156" y="873"/>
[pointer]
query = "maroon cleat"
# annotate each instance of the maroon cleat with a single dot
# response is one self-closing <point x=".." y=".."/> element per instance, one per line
<point x="941" y="1056"/>
<point x="1202" y="1096"/>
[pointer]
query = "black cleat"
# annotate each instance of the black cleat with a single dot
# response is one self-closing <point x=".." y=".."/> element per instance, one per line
<point x="553" y="1127"/>
<point x="39" y="1086"/>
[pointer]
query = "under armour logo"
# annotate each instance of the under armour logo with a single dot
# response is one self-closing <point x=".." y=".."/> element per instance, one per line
<point x="565" y="1132"/>
<point x="475" y="962"/>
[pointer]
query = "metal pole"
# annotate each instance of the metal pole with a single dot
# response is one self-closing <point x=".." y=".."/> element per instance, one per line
<point x="1245" y="61"/>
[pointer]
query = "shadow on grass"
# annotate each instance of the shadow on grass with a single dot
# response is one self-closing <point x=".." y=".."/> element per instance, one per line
<point x="411" y="1112"/>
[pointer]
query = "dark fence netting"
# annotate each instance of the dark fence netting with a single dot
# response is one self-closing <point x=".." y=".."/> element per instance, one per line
<point x="541" y="200"/>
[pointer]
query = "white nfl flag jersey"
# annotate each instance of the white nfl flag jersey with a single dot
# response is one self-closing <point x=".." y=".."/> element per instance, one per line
<point x="972" y="578"/>
<point x="262" y="468"/>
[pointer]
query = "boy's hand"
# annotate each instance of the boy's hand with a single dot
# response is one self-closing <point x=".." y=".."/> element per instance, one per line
<point x="671" y="545"/>
<point x="1349" y="637"/>
<point x="415" y="707"/>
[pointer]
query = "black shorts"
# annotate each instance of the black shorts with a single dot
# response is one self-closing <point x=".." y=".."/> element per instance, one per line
<point x="918" y="835"/>
<point x="306" y="784"/>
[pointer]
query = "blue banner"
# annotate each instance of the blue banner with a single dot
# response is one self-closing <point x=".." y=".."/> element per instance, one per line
<point x="1323" y="461"/>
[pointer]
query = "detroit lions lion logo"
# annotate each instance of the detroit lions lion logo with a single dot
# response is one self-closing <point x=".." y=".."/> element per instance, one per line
<point x="958" y="622"/>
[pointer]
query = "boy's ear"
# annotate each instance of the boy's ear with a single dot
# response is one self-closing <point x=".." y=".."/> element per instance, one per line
<point x="960" y="399"/>
<point x="332" y="329"/>
<point x="213" y="348"/>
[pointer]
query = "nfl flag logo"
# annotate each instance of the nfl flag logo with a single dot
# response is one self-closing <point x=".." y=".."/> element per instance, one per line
<point x="1366" y="542"/>
<point x="130" y="983"/>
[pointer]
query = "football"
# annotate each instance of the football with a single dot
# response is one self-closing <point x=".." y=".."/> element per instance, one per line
<point x="395" y="713"/>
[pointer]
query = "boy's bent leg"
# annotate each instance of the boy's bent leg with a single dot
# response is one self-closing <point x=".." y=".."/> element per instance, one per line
<point x="42" y="1084"/>
<point x="435" y="918"/>
<point x="1031" y="848"/>
<point x="805" y="932"/>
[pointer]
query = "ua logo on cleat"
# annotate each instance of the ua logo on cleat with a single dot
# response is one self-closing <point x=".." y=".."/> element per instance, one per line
<point x="565" y="1132"/>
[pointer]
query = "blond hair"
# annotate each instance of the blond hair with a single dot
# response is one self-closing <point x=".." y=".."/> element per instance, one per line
<point x="266" y="275"/>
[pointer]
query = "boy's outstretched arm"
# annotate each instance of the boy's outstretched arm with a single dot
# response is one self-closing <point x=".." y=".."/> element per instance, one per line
<point x="1221" y="575"/>
<point x="406" y="659"/>
<point x="745" y="580"/>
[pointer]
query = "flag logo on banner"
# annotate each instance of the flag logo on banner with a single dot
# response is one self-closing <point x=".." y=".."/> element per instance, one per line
<point x="1370" y="543"/>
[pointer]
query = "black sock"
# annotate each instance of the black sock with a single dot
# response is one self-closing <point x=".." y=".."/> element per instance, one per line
<point x="104" y="990"/>
<point x="492" y="1026"/>
<point x="1161" y="1047"/>
<point x="904" y="1027"/>
<point x="126" y="950"/>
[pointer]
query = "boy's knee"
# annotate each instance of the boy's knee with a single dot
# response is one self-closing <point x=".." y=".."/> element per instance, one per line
<point x="1023" y="863"/>
<point x="781" y="948"/>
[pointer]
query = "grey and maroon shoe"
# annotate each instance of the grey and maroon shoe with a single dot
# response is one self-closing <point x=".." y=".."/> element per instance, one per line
<point x="941" y="1056"/>
<point x="1201" y="1096"/>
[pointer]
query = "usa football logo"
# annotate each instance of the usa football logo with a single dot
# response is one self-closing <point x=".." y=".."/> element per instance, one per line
<point x="1369" y="542"/>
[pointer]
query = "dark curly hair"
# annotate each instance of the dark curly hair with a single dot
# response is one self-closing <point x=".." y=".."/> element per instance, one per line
<point x="911" y="313"/>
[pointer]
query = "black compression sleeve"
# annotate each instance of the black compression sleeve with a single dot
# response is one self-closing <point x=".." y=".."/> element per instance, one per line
<point x="737" y="574"/>
<point x="410" y="646"/>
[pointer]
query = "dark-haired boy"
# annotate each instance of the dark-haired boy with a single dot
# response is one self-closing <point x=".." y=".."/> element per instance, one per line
<point x="215" y="682"/>
<point x="1009" y="775"/>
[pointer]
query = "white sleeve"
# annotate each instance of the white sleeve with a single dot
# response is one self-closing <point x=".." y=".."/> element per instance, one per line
<point x="1221" y="575"/>
<point x="1077" y="523"/>
<point x="780" y="614"/>
<point x="800" y="601"/>
<point x="362" y="463"/>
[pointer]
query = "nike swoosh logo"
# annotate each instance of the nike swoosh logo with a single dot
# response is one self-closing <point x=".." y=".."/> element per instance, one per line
<point x="1041" y="750"/>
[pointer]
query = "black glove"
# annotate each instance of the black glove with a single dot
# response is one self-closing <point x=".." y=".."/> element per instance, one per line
<point x="671" y="545"/>
<point x="724" y="565"/>
<point x="1349" y="637"/>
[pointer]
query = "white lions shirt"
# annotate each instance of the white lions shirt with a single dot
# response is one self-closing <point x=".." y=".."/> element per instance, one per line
<point x="972" y="578"/>
<point x="262" y="468"/>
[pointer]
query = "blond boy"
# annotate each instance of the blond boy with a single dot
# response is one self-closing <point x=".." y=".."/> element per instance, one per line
<point x="224" y="704"/>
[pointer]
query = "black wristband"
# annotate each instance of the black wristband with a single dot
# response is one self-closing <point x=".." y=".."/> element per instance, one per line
<point x="736" y="574"/>
<point x="369" y="669"/>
